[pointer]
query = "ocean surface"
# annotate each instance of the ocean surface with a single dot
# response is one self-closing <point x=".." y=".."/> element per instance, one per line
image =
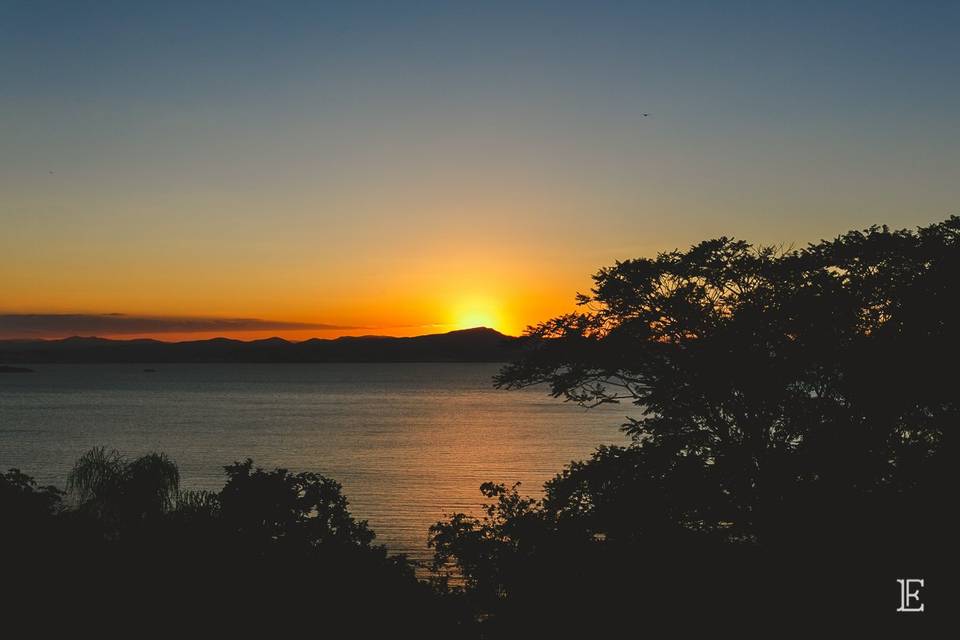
<point x="408" y="442"/>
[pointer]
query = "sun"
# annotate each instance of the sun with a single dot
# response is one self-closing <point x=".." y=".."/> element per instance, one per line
<point x="472" y="314"/>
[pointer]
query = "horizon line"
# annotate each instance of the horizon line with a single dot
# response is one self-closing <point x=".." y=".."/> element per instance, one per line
<point x="270" y="338"/>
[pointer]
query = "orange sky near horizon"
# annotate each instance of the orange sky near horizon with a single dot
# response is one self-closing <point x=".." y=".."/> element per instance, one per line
<point x="397" y="170"/>
<point x="442" y="287"/>
<point x="406" y="303"/>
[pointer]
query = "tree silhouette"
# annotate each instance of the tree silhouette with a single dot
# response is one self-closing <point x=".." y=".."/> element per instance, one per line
<point x="272" y="548"/>
<point x="25" y="508"/>
<point x="793" y="421"/>
<point x="771" y="370"/>
<point x="120" y="492"/>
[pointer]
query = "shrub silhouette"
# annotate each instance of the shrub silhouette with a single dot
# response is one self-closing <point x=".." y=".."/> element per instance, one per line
<point x="27" y="511"/>
<point x="271" y="551"/>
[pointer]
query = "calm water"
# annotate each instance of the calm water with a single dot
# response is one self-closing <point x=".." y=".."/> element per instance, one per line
<point x="409" y="442"/>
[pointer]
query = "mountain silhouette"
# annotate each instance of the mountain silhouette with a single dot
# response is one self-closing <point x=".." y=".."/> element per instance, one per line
<point x="480" y="344"/>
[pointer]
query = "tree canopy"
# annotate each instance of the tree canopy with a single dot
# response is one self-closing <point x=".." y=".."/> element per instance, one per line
<point x="769" y="368"/>
<point x="794" y="429"/>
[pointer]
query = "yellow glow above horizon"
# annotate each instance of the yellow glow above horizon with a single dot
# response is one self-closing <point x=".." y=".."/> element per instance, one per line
<point x="477" y="319"/>
<point x="478" y="312"/>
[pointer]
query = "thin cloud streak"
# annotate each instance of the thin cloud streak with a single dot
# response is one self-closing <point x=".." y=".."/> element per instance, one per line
<point x="38" y="325"/>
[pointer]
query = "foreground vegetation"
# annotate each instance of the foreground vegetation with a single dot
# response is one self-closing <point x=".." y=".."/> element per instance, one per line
<point x="791" y="458"/>
<point x="271" y="548"/>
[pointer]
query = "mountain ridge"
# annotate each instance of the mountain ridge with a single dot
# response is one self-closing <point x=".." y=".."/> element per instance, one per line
<point x="479" y="344"/>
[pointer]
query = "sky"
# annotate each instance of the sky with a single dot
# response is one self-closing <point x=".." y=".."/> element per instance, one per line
<point x="190" y="169"/>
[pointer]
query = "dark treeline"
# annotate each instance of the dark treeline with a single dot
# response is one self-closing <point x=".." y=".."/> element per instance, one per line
<point x="792" y="457"/>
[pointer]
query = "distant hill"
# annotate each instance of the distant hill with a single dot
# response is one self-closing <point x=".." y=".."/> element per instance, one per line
<point x="470" y="345"/>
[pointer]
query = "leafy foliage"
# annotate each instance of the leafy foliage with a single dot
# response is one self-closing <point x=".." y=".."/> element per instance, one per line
<point x="794" y="414"/>
<point x="121" y="491"/>
<point x="282" y="508"/>
<point x="272" y="546"/>
<point x="769" y="370"/>
<point x="25" y="506"/>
